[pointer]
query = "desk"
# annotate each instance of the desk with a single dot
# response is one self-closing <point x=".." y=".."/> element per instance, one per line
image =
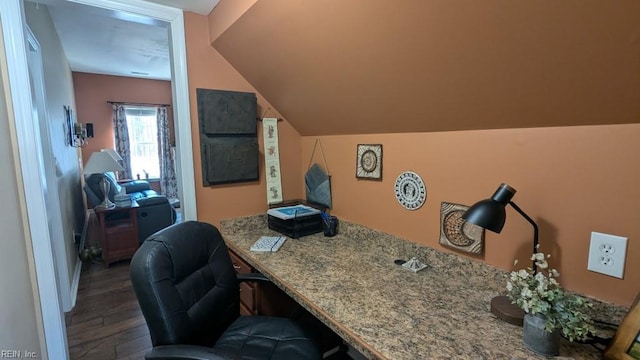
<point x="119" y="237"/>
<point x="384" y="311"/>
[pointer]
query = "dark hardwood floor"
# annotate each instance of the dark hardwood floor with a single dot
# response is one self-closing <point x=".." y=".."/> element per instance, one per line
<point x="106" y="322"/>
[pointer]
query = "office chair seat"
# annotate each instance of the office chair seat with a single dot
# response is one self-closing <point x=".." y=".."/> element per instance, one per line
<point x="189" y="295"/>
<point x="260" y="337"/>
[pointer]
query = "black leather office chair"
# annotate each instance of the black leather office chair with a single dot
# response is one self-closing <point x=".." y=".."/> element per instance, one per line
<point x="189" y="294"/>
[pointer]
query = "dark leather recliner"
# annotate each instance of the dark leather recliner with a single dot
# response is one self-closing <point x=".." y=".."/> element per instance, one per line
<point x="137" y="189"/>
<point x="189" y="294"/>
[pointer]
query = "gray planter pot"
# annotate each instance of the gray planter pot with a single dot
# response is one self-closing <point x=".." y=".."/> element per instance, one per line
<point x="537" y="339"/>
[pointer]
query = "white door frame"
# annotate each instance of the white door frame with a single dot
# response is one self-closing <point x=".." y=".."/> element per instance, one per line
<point x="54" y="219"/>
<point x="179" y="87"/>
<point x="13" y="22"/>
<point x="32" y="176"/>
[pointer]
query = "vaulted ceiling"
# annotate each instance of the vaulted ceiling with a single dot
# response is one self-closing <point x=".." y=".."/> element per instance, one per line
<point x="379" y="66"/>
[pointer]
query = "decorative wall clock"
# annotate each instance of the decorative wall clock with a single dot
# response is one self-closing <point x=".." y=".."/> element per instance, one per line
<point x="369" y="162"/>
<point x="410" y="190"/>
<point x="455" y="232"/>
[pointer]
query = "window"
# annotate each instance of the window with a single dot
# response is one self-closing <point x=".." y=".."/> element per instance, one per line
<point x="143" y="142"/>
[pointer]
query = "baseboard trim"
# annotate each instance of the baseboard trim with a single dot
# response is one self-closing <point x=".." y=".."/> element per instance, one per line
<point x="78" y="268"/>
<point x="85" y="228"/>
<point x="75" y="283"/>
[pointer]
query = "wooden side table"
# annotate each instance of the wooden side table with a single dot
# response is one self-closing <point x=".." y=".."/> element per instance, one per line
<point x="119" y="233"/>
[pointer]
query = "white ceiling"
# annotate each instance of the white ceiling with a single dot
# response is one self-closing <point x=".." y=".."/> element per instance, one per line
<point x="109" y="42"/>
<point x="202" y="7"/>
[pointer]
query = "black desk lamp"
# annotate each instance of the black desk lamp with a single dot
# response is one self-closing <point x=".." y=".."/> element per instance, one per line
<point x="491" y="214"/>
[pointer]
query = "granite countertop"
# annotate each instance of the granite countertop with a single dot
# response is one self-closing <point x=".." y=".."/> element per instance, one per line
<point x="350" y="282"/>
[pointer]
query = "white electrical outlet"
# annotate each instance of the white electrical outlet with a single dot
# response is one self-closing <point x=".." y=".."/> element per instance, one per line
<point x="607" y="254"/>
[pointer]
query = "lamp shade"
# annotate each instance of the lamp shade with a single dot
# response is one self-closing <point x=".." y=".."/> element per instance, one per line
<point x="101" y="162"/>
<point x="113" y="154"/>
<point x="490" y="213"/>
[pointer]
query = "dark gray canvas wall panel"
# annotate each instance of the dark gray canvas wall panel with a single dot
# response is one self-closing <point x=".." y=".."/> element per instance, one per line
<point x="227" y="122"/>
<point x="231" y="160"/>
<point x="226" y="112"/>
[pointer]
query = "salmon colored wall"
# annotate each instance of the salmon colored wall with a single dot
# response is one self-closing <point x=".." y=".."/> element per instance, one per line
<point x="92" y="92"/>
<point x="349" y="67"/>
<point x="207" y="69"/>
<point x="225" y="14"/>
<point x="570" y="180"/>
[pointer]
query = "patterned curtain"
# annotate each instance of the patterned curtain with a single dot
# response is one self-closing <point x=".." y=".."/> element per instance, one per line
<point x="168" y="183"/>
<point x="121" y="137"/>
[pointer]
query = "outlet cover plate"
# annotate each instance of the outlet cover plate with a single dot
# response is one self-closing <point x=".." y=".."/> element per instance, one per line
<point x="607" y="254"/>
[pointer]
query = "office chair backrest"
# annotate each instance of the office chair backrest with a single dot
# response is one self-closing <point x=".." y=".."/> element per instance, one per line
<point x="185" y="284"/>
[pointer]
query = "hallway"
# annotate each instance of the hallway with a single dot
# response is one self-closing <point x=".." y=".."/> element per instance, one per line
<point x="106" y="323"/>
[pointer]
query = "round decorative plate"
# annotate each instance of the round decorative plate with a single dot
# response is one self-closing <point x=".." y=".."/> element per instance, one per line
<point x="410" y="190"/>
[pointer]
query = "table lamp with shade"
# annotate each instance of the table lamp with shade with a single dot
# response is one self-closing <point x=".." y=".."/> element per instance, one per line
<point x="101" y="162"/>
<point x="114" y="154"/>
<point x="491" y="215"/>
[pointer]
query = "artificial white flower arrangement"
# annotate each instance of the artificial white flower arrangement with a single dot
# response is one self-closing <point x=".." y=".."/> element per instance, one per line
<point x="538" y="292"/>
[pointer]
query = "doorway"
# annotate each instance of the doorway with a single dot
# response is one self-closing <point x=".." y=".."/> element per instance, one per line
<point x="173" y="17"/>
<point x="12" y="14"/>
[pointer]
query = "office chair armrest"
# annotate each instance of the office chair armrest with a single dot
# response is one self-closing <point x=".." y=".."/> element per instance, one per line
<point x="257" y="277"/>
<point x="188" y="352"/>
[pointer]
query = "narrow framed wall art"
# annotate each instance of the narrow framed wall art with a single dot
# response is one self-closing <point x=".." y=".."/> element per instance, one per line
<point x="369" y="162"/>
